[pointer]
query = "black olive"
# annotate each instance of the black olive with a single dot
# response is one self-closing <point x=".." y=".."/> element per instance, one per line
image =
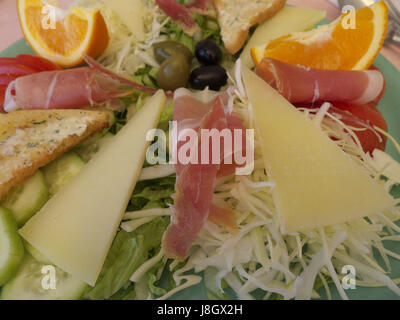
<point x="213" y="77"/>
<point x="174" y="73"/>
<point x="208" y="52"/>
<point x="167" y="49"/>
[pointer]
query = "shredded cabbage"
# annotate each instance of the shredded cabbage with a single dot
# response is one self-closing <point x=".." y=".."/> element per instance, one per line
<point x="289" y="266"/>
<point x="125" y="54"/>
<point x="259" y="257"/>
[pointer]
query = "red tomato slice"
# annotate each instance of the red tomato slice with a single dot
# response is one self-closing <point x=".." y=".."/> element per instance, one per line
<point x="8" y="68"/>
<point x="2" y="96"/>
<point x="6" y="79"/>
<point x="372" y="117"/>
<point x="38" y="63"/>
<point x="7" y="60"/>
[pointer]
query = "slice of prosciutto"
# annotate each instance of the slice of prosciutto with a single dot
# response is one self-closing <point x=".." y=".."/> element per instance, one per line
<point x="224" y="217"/>
<point x="304" y="85"/>
<point x="194" y="193"/>
<point x="194" y="199"/>
<point x="189" y="111"/>
<point x="183" y="14"/>
<point x="177" y="12"/>
<point x="61" y="89"/>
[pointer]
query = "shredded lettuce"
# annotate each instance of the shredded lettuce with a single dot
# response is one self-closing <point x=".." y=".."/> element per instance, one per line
<point x="125" y="293"/>
<point x="147" y="76"/>
<point x="153" y="288"/>
<point x="128" y="252"/>
<point x="166" y="116"/>
<point x="215" y="290"/>
<point x="209" y="29"/>
<point x="153" y="194"/>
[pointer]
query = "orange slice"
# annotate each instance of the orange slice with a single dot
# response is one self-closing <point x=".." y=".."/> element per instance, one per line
<point x="80" y="31"/>
<point x="334" y="46"/>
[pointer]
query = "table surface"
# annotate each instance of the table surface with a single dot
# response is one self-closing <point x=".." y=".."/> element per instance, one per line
<point x="10" y="31"/>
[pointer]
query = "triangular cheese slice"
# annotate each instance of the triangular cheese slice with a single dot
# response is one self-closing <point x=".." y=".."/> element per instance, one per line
<point x="317" y="184"/>
<point x="131" y="13"/>
<point x="76" y="227"/>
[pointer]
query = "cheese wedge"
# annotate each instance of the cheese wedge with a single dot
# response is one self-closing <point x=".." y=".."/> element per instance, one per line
<point x="288" y="20"/>
<point x="76" y="227"/>
<point x="317" y="184"/>
<point x="131" y="13"/>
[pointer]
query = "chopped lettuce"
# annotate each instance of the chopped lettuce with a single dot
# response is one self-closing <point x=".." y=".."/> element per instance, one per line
<point x="153" y="288"/>
<point x="153" y="194"/>
<point x="184" y="2"/>
<point x="128" y="252"/>
<point x="209" y="28"/>
<point x="147" y="76"/>
<point x="214" y="291"/>
<point x="166" y="116"/>
<point x="125" y="293"/>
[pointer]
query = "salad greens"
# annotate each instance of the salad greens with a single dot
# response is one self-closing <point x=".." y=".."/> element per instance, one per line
<point x="259" y="258"/>
<point x="128" y="252"/>
<point x="153" y="194"/>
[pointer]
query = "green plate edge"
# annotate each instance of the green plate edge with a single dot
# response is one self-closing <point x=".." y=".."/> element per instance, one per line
<point x="390" y="108"/>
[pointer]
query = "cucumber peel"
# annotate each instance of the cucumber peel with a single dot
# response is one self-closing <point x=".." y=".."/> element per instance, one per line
<point x="27" y="199"/>
<point x="34" y="281"/>
<point x="91" y="147"/>
<point x="60" y="171"/>
<point x="11" y="248"/>
<point x="39" y="257"/>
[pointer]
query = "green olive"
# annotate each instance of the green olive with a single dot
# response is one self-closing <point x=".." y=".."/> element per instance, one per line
<point x="166" y="49"/>
<point x="174" y="72"/>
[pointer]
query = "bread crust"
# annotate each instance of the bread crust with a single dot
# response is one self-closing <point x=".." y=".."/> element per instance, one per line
<point x="20" y="164"/>
<point x="235" y="37"/>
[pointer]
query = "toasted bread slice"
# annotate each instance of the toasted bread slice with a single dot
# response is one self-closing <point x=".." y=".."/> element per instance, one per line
<point x="32" y="139"/>
<point x="236" y="17"/>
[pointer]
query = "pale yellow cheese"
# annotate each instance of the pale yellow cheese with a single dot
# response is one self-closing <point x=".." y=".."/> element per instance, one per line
<point x="288" y="20"/>
<point x="131" y="13"/>
<point x="76" y="227"/>
<point x="317" y="184"/>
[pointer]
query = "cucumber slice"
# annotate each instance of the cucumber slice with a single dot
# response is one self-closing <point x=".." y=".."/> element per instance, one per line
<point x="60" y="171"/>
<point x="33" y="282"/>
<point x="27" y="199"/>
<point x="11" y="248"/>
<point x="35" y="253"/>
<point x="88" y="149"/>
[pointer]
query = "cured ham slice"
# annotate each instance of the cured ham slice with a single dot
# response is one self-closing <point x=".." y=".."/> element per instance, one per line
<point x="134" y="85"/>
<point x="223" y="217"/>
<point x="189" y="110"/>
<point x="177" y="12"/>
<point x="363" y="119"/>
<point x="183" y="14"/>
<point x="304" y="85"/>
<point x="61" y="89"/>
<point x="194" y="194"/>
<point x="194" y="202"/>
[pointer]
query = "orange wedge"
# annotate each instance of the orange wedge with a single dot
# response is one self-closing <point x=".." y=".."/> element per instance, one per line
<point x="80" y="31"/>
<point x="334" y="46"/>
